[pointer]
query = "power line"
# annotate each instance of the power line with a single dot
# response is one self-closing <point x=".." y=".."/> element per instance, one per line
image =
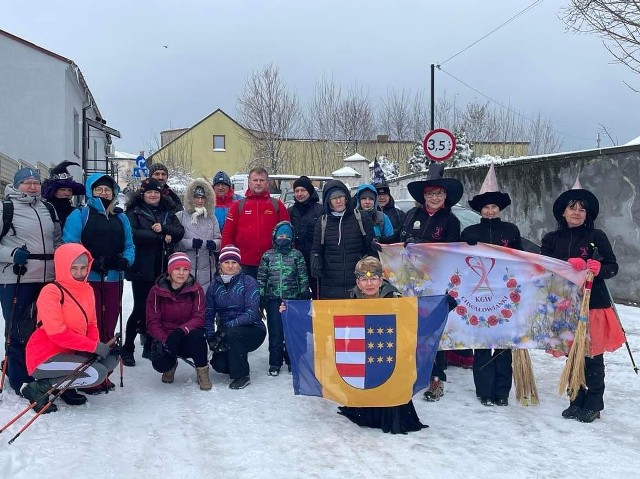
<point x="494" y="30"/>
<point x="506" y="107"/>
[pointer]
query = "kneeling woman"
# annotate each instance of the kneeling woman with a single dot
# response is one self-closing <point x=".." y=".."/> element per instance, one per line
<point x="235" y="298"/>
<point x="175" y="321"/>
<point x="68" y="333"/>
<point x="395" y="419"/>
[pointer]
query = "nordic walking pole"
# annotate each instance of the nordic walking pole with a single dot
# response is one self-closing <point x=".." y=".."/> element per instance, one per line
<point x="69" y="379"/>
<point x="121" y="292"/>
<point x="197" y="256"/>
<point x="19" y="271"/>
<point x="210" y="267"/>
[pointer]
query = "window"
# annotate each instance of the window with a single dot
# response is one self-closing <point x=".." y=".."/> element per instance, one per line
<point x="76" y="133"/>
<point x="218" y="143"/>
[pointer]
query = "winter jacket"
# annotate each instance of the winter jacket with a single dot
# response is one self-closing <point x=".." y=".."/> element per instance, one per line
<point x="107" y="236"/>
<point x="151" y="250"/>
<point x="170" y="310"/>
<point x="35" y="229"/>
<point x="382" y="227"/>
<point x="63" y="207"/>
<point x="205" y="228"/>
<point x="441" y="227"/>
<point x="250" y="229"/>
<point x="283" y="273"/>
<point x="167" y="192"/>
<point x="223" y="203"/>
<point x="344" y="245"/>
<point x="395" y="215"/>
<point x="304" y="216"/>
<point x="236" y="304"/>
<point x="493" y="231"/>
<point x="387" y="290"/>
<point x="65" y="328"/>
<point x="579" y="242"/>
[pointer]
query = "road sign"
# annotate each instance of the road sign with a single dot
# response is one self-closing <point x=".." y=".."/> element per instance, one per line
<point x="141" y="162"/>
<point x="439" y="144"/>
<point x="140" y="172"/>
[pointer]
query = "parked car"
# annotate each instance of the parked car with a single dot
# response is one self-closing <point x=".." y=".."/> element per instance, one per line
<point x="467" y="217"/>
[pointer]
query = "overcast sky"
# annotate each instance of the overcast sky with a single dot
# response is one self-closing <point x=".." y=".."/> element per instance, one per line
<point x="142" y="88"/>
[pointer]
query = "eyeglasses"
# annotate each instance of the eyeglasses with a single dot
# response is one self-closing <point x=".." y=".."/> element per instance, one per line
<point x="102" y="189"/>
<point x="435" y="194"/>
<point x="335" y="198"/>
<point x="368" y="279"/>
<point x="31" y="183"/>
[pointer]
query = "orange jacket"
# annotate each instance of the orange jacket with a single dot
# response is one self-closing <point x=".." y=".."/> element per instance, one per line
<point x="64" y="327"/>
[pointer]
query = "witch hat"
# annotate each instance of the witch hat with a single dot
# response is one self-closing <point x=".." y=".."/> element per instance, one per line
<point x="434" y="178"/>
<point x="592" y="205"/>
<point x="490" y="193"/>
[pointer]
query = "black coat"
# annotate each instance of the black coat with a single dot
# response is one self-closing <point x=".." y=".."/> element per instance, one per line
<point x="493" y="231"/>
<point x="396" y="215"/>
<point x="344" y="245"/>
<point x="565" y="243"/>
<point x="151" y="250"/>
<point x="304" y="217"/>
<point x="441" y="227"/>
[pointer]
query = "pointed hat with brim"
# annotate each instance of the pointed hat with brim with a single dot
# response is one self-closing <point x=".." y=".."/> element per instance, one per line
<point x="434" y="178"/>
<point x="490" y="194"/>
<point x="576" y="193"/>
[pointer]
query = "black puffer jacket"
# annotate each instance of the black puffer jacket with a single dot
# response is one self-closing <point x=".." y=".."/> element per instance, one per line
<point x="334" y="261"/>
<point x="441" y="227"/>
<point x="304" y="217"/>
<point x="151" y="250"/>
<point x="396" y="215"/>
<point x="565" y="243"/>
<point x="493" y="231"/>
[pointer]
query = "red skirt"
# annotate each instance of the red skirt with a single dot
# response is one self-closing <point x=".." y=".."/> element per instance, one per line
<point x="605" y="332"/>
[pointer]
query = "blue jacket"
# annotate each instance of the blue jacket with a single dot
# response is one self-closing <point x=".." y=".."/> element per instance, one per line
<point x="236" y="303"/>
<point x="73" y="228"/>
<point x="382" y="226"/>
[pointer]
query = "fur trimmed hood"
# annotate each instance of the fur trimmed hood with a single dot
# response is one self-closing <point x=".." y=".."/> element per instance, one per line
<point x="209" y="195"/>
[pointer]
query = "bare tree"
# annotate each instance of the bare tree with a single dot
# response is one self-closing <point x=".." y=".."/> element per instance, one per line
<point x="617" y="22"/>
<point x="419" y="117"/>
<point x="542" y="137"/>
<point x="395" y="119"/>
<point x="355" y="120"/>
<point x="271" y="114"/>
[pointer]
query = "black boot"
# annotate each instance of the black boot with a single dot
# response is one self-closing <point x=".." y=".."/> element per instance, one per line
<point x="36" y="391"/>
<point x="571" y="412"/>
<point x="587" y="415"/>
<point x="73" y="398"/>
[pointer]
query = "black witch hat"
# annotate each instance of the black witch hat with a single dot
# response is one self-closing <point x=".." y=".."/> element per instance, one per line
<point x="434" y="178"/>
<point x="59" y="177"/>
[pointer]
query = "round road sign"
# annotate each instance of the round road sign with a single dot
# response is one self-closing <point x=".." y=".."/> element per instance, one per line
<point x="439" y="144"/>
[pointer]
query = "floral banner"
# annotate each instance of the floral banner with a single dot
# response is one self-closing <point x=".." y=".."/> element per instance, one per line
<point x="506" y="298"/>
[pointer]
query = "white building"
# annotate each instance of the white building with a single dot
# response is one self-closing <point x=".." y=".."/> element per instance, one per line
<point x="47" y="112"/>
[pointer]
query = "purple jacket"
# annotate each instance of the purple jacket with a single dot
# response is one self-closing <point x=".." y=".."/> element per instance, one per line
<point x="168" y="311"/>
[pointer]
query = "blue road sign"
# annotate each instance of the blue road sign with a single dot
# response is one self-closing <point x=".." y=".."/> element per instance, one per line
<point x="140" y="172"/>
<point x="141" y="162"/>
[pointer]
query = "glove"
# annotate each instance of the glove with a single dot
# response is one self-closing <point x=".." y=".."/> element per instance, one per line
<point x="156" y="351"/>
<point x="121" y="264"/>
<point x="211" y="245"/>
<point x="376" y="245"/>
<point x="472" y="241"/>
<point x="578" y="263"/>
<point x="20" y="256"/>
<point x="173" y="341"/>
<point x="411" y="239"/>
<point x="316" y="266"/>
<point x="115" y="351"/>
<point x="196" y="243"/>
<point x="98" y="266"/>
<point x="305" y="295"/>
<point x="102" y="351"/>
<point x="451" y="302"/>
<point x="217" y="344"/>
<point x="594" y="266"/>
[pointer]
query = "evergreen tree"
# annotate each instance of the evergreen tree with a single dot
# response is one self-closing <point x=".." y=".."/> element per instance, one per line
<point x="463" y="154"/>
<point x="418" y="161"/>
<point x="384" y="169"/>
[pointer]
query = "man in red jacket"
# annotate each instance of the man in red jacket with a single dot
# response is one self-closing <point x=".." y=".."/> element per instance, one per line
<point x="250" y="221"/>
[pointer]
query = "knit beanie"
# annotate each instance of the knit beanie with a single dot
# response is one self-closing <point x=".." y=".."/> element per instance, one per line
<point x="25" y="174"/>
<point x="367" y="194"/>
<point x="81" y="260"/>
<point x="284" y="229"/>
<point x="103" y="181"/>
<point x="157" y="166"/>
<point x="230" y="252"/>
<point x="178" y="260"/>
<point x="222" y="177"/>
<point x="150" y="184"/>
<point x="305" y="183"/>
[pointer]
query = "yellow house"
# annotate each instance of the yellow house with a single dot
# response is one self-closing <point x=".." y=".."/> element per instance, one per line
<point x="218" y="142"/>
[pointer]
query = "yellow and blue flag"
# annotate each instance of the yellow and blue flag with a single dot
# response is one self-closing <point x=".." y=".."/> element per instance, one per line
<point x="364" y="353"/>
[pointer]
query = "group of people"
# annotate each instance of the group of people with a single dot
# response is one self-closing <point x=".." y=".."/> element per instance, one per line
<point x="202" y="270"/>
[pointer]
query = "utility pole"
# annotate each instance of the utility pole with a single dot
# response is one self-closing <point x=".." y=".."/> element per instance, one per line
<point x="598" y="140"/>
<point x="433" y="95"/>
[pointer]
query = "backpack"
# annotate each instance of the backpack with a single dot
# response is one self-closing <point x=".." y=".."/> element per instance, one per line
<point x="274" y="202"/>
<point x="323" y="225"/>
<point x="28" y="323"/>
<point x="84" y="212"/>
<point x="7" y="216"/>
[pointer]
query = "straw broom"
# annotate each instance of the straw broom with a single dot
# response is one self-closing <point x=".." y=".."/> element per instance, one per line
<point x="523" y="378"/>
<point x="572" y="377"/>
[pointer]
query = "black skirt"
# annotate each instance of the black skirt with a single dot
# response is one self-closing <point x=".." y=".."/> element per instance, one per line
<point x="393" y="419"/>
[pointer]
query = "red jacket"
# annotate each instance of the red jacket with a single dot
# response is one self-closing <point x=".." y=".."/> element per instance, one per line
<point x="168" y="311"/>
<point x="65" y="329"/>
<point x="251" y="229"/>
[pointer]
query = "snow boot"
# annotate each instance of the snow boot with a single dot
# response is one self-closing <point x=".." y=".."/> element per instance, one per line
<point x="571" y="412"/>
<point x="435" y="390"/>
<point x="486" y="401"/>
<point x="73" y="398"/>
<point x="202" y="376"/>
<point x="127" y="358"/>
<point x="274" y="370"/>
<point x="502" y="402"/>
<point x="587" y="415"/>
<point x="36" y="391"/>
<point x="168" y="376"/>
<point x="240" y="383"/>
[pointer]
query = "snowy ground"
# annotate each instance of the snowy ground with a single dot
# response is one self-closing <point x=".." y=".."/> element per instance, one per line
<point x="150" y="429"/>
